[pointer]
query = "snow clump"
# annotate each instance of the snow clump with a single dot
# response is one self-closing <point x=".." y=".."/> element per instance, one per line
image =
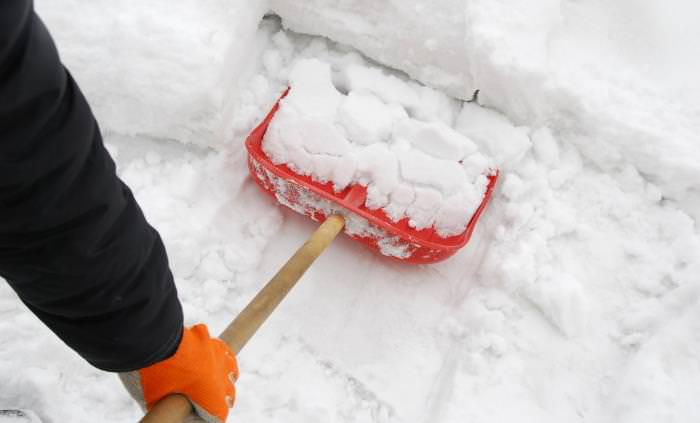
<point x="420" y="170"/>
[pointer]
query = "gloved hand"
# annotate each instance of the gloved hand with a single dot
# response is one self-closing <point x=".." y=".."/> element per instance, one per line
<point x="203" y="368"/>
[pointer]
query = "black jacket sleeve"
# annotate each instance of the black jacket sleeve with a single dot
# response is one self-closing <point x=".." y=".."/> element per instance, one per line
<point x="74" y="244"/>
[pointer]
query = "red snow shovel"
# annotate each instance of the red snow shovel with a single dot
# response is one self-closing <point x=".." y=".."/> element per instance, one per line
<point x="334" y="210"/>
<point x="394" y="239"/>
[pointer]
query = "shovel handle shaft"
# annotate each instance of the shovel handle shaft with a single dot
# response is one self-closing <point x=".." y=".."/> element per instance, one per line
<point x="172" y="409"/>
<point x="175" y="408"/>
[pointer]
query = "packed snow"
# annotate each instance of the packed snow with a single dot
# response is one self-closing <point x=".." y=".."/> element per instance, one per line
<point x="423" y="171"/>
<point x="578" y="297"/>
<point x="308" y="203"/>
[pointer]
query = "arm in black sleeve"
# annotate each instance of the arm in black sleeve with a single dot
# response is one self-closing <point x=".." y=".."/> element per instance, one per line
<point x="74" y="244"/>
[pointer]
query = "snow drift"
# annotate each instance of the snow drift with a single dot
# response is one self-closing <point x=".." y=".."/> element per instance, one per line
<point x="613" y="78"/>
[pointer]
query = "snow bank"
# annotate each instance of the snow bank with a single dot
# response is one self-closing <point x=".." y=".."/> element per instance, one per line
<point x="156" y="68"/>
<point x="615" y="78"/>
<point x="422" y="38"/>
<point x="423" y="171"/>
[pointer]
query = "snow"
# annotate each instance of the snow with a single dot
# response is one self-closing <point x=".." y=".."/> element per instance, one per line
<point x="613" y="77"/>
<point x="176" y="84"/>
<point x="366" y="119"/>
<point x="307" y="203"/>
<point x="577" y="298"/>
<point x="441" y="175"/>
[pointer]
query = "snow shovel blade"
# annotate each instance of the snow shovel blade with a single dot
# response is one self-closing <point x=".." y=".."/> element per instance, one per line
<point x="373" y="228"/>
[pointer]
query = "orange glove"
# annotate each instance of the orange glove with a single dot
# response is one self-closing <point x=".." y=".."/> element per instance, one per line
<point x="203" y="368"/>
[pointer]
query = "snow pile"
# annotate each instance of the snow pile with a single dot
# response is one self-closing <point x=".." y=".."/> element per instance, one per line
<point x="615" y="78"/>
<point x="424" y="171"/>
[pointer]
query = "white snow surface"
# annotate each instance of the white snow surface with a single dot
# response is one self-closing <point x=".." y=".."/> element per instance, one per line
<point x="424" y="171"/>
<point x="615" y="78"/>
<point x="578" y="297"/>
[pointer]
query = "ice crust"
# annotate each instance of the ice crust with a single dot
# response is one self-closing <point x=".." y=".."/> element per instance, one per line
<point x="425" y="171"/>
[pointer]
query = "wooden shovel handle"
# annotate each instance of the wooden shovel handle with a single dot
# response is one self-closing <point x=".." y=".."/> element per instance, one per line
<point x="175" y="408"/>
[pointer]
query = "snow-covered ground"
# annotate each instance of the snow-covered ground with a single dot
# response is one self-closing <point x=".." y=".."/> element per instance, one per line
<point x="578" y="298"/>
